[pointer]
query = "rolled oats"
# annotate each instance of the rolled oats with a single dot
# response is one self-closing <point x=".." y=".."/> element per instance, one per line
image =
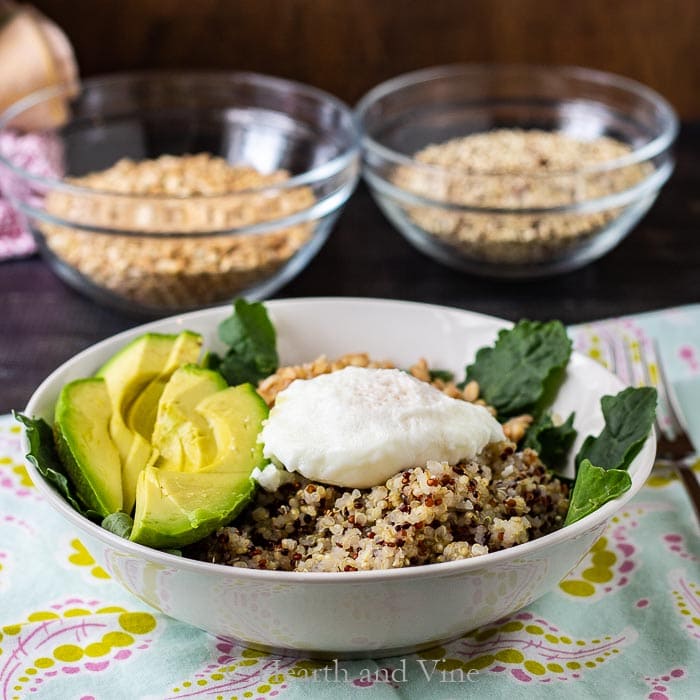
<point x="516" y="169"/>
<point x="164" y="268"/>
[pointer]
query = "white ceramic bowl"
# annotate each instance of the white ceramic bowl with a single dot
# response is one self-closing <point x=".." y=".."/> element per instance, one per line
<point x="364" y="613"/>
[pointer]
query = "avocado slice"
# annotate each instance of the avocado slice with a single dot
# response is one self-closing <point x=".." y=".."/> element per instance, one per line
<point x="141" y="417"/>
<point x="128" y="374"/>
<point x="235" y="416"/>
<point x="178" y="506"/>
<point x="181" y="435"/>
<point x="85" y="446"/>
<point x="174" y="509"/>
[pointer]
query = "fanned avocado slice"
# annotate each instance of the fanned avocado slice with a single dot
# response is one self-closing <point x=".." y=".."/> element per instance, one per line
<point x="141" y="417"/>
<point x="129" y="374"/>
<point x="219" y="427"/>
<point x="174" y="509"/>
<point x="181" y="435"/>
<point x="235" y="416"/>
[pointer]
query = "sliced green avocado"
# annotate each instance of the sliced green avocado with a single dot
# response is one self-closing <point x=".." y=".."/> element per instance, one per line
<point x="181" y="435"/>
<point x="81" y="426"/>
<point x="174" y="509"/>
<point x="127" y="374"/>
<point x="235" y="416"/>
<point x="141" y="417"/>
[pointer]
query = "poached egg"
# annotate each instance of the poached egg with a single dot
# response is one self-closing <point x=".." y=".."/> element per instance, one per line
<point x="358" y="426"/>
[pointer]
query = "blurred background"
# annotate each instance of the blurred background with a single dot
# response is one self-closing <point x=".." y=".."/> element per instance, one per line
<point x="348" y="46"/>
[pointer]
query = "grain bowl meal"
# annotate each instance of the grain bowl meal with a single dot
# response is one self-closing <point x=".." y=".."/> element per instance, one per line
<point x="162" y="200"/>
<point x="184" y="459"/>
<point x="336" y="465"/>
<point x="508" y="170"/>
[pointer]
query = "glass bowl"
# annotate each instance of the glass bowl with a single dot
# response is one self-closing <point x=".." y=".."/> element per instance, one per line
<point x="514" y="170"/>
<point x="160" y="192"/>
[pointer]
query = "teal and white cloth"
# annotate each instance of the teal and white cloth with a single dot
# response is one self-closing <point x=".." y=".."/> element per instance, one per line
<point x="625" y="622"/>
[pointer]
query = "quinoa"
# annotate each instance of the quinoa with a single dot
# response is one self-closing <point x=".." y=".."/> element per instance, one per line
<point x="422" y="515"/>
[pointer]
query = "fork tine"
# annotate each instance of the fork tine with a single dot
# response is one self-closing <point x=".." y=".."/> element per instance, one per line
<point x="605" y="345"/>
<point x="666" y="416"/>
<point x="627" y="353"/>
<point x="592" y="341"/>
<point x="605" y="350"/>
<point x="646" y="368"/>
<point x="627" y="350"/>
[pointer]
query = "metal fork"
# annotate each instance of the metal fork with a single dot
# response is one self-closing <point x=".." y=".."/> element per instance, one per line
<point x="637" y="361"/>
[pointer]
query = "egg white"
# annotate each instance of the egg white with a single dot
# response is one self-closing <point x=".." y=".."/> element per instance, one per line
<point x="357" y="427"/>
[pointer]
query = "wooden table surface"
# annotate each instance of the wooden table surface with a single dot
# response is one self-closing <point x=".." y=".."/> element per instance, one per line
<point x="43" y="322"/>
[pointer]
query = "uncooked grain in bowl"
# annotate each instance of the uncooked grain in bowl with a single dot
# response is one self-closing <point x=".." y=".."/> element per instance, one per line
<point x="514" y="169"/>
<point x="191" y="194"/>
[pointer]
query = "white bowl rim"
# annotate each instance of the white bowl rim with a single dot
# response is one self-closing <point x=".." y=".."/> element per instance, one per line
<point x="645" y="458"/>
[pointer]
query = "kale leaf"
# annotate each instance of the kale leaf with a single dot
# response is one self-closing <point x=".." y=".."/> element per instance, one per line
<point x="523" y="370"/>
<point x="628" y="419"/>
<point x="593" y="487"/>
<point x="551" y="442"/>
<point x="252" y="341"/>
<point x="121" y="524"/>
<point x="44" y="456"/>
<point x="602" y="462"/>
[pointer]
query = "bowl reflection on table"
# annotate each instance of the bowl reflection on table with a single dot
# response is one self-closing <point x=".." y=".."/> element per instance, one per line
<point x="180" y="247"/>
<point x="505" y="222"/>
<point x="362" y="613"/>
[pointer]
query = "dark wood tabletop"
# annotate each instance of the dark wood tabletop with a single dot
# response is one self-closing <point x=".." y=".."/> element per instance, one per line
<point x="43" y="322"/>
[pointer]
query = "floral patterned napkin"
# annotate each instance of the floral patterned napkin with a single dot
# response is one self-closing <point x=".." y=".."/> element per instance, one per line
<point x="625" y="622"/>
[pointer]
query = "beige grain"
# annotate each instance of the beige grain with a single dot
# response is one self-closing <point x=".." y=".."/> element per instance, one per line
<point x="516" y="169"/>
<point x="193" y="194"/>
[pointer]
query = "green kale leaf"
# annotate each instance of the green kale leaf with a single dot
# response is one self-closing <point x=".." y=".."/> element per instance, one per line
<point x="252" y="341"/>
<point x="552" y="442"/>
<point x="523" y="370"/>
<point x="629" y="416"/>
<point x="628" y="419"/>
<point x="44" y="456"/>
<point x="595" y="486"/>
<point x="121" y="524"/>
